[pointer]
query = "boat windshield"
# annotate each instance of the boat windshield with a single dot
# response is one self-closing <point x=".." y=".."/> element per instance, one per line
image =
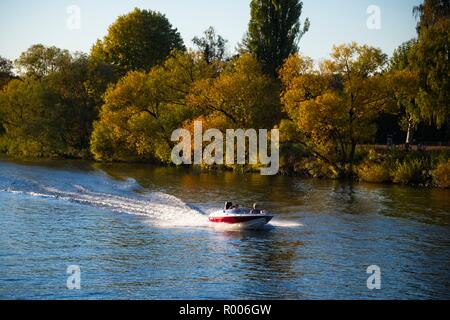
<point x="234" y="210"/>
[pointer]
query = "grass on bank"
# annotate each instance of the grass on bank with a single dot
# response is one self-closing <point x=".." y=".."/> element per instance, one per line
<point x="430" y="169"/>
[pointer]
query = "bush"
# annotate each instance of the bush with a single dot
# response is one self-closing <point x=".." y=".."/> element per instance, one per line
<point x="375" y="173"/>
<point x="441" y="175"/>
<point x="413" y="172"/>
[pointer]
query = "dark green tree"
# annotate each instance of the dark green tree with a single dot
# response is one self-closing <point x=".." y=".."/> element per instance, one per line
<point x="430" y="12"/>
<point x="6" y="66"/>
<point x="49" y="114"/>
<point x="274" y="31"/>
<point x="138" y="41"/>
<point x="430" y="59"/>
<point x="211" y="45"/>
<point x="6" y="71"/>
<point x="400" y="58"/>
<point x="39" y="61"/>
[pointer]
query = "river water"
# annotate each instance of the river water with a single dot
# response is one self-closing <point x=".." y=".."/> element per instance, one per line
<point x="141" y="232"/>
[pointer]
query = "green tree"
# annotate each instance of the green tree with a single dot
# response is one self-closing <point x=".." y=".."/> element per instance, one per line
<point x="100" y="76"/>
<point x="39" y="61"/>
<point x="430" y="59"/>
<point x="274" y="31"/>
<point x="211" y="45"/>
<point x="410" y="112"/>
<point x="49" y="115"/>
<point x="430" y="12"/>
<point x="400" y="58"/>
<point x="138" y="41"/>
<point x="6" y="71"/>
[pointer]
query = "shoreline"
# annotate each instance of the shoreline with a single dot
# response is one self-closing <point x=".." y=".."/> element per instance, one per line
<point x="207" y="170"/>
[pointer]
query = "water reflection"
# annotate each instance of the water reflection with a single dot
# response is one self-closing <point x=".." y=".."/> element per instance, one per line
<point x="260" y="262"/>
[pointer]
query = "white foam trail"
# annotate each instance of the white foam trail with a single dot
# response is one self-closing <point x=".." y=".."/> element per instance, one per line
<point x="286" y="224"/>
<point x="161" y="209"/>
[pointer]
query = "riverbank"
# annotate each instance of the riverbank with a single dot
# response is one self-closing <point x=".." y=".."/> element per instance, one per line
<point x="395" y="165"/>
<point x="417" y="168"/>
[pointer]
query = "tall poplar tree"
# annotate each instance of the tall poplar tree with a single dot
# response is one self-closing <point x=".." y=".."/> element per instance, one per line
<point x="274" y="31"/>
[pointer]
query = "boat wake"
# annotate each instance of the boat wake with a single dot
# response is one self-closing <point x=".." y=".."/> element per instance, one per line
<point x="159" y="208"/>
<point x="285" y="224"/>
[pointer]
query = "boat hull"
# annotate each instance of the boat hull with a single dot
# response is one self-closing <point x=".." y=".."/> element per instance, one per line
<point x="241" y="221"/>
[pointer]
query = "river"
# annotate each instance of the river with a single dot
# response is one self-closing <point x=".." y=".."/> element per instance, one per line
<point x="141" y="232"/>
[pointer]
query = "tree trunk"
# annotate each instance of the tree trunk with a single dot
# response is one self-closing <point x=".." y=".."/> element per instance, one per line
<point x="409" y="133"/>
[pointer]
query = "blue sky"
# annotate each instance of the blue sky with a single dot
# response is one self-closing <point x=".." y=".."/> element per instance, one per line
<point x="27" y="22"/>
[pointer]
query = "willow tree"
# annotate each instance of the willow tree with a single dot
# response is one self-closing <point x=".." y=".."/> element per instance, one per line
<point x="335" y="108"/>
<point x="430" y="58"/>
<point x="143" y="108"/>
<point x="274" y="31"/>
<point x="242" y="95"/>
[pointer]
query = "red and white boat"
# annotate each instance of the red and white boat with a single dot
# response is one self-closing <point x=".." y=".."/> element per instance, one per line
<point x="240" y="218"/>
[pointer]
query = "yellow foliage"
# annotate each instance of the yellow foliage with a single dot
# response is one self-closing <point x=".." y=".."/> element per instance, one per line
<point x="376" y="173"/>
<point x="441" y="175"/>
<point x="242" y="93"/>
<point x="335" y="106"/>
<point x="142" y="110"/>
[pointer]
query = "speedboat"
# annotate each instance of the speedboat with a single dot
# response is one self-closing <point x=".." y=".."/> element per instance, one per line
<point x="240" y="218"/>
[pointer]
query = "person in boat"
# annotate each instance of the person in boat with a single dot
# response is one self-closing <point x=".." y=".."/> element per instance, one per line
<point x="255" y="209"/>
<point x="230" y="206"/>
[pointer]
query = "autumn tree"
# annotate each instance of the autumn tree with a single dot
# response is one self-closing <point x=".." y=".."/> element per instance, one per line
<point x="242" y="94"/>
<point x="274" y="31"/>
<point x="335" y="108"/>
<point x="142" y="110"/>
<point x="138" y="40"/>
